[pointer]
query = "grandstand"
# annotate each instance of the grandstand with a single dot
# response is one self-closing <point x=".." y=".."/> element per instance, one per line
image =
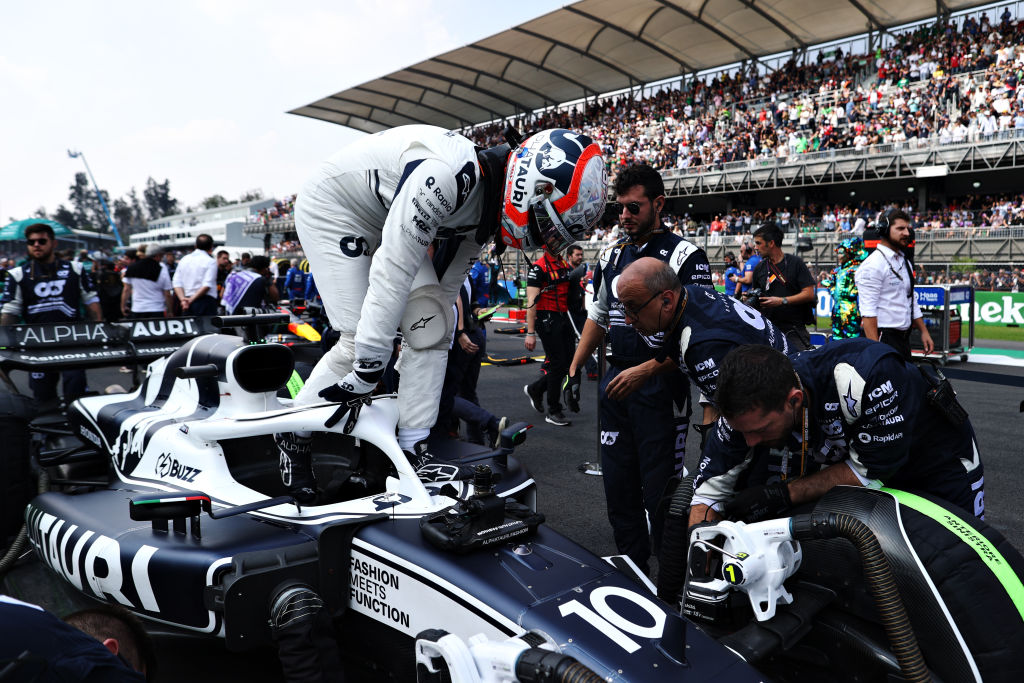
<point x="815" y="114"/>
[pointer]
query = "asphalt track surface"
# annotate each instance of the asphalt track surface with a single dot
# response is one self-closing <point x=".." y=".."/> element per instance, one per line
<point x="573" y="502"/>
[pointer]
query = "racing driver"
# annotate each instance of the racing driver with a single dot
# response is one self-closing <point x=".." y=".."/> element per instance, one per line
<point x="365" y="220"/>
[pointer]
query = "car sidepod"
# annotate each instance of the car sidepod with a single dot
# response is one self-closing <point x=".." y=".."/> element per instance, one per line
<point x="547" y="584"/>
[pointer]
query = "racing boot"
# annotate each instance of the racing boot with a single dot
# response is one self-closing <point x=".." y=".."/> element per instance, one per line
<point x="295" y="463"/>
<point x="432" y="468"/>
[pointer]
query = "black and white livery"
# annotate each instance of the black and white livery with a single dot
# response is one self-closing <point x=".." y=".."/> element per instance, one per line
<point x="193" y="528"/>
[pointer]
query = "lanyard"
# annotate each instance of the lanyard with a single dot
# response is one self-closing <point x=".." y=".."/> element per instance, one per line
<point x="775" y="269"/>
<point x="804" y="438"/>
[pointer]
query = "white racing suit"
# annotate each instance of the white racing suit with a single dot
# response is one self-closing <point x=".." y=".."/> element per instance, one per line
<point x="365" y="220"/>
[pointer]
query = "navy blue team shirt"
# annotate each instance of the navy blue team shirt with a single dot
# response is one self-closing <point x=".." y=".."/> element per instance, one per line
<point x="867" y="407"/>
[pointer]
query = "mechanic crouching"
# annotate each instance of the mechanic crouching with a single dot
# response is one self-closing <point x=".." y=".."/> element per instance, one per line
<point x="850" y="413"/>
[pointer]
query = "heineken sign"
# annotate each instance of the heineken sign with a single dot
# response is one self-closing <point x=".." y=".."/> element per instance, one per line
<point x="990" y="308"/>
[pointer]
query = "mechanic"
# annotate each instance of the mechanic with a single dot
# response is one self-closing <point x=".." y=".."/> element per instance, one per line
<point x="885" y="288"/>
<point x="37" y="646"/>
<point x="252" y="287"/>
<point x="474" y="297"/>
<point x="49" y="290"/>
<point x="480" y="278"/>
<point x="750" y="261"/>
<point x="643" y="418"/>
<point x="365" y="221"/>
<point x="547" y="314"/>
<point x="852" y="412"/>
<point x="295" y="281"/>
<point x="223" y="268"/>
<point x="701" y="325"/>
<point x="843" y="287"/>
<point x="732" y="275"/>
<point x="578" y="308"/>
<point x="120" y="632"/>
<point x="195" y="279"/>
<point x="147" y="285"/>
<point x="787" y="288"/>
<point x="459" y="400"/>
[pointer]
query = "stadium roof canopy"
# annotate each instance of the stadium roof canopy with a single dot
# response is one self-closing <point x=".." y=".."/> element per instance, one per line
<point x="598" y="46"/>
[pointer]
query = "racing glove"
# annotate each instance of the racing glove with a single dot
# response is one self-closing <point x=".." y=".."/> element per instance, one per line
<point x="571" y="391"/>
<point x="352" y="393"/>
<point x="758" y="503"/>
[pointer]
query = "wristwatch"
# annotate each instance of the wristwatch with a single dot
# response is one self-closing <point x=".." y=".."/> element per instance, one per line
<point x="785" y="301"/>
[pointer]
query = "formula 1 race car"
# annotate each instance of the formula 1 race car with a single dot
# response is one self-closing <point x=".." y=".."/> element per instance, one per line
<point x="866" y="584"/>
<point x="168" y="501"/>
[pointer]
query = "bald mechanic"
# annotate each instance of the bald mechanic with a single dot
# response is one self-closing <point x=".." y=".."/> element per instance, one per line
<point x="701" y="325"/>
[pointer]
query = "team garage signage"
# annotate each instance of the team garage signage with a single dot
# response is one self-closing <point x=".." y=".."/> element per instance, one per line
<point x="88" y="344"/>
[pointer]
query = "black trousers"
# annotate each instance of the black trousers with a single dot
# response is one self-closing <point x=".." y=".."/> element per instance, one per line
<point x="559" y="340"/>
<point x="204" y="305"/>
<point x="44" y="385"/>
<point x="898" y="339"/>
<point x="643" y="445"/>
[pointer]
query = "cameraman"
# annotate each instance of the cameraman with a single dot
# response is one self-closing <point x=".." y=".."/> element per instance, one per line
<point x="787" y="288"/>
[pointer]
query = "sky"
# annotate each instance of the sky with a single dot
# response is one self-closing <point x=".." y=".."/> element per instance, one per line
<point x="195" y="91"/>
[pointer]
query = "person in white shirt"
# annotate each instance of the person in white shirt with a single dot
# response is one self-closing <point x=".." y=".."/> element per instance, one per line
<point x="885" y="285"/>
<point x="147" y="286"/>
<point x="195" y="280"/>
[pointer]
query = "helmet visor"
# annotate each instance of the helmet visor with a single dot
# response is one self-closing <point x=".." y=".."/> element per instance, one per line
<point x="547" y="228"/>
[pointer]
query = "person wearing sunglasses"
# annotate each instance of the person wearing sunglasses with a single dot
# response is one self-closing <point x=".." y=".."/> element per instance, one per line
<point x="49" y="290"/>
<point x="643" y="415"/>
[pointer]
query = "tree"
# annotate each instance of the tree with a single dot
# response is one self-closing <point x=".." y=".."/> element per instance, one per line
<point x="138" y="215"/>
<point x="40" y="213"/>
<point x="214" y="201"/>
<point x="65" y="217"/>
<point x="123" y="216"/>
<point x="99" y="221"/>
<point x="159" y="202"/>
<point x="128" y="214"/>
<point x="82" y="200"/>
<point x="251" y="195"/>
<point x="86" y="205"/>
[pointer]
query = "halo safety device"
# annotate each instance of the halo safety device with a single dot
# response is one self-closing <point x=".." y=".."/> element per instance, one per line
<point x="555" y="186"/>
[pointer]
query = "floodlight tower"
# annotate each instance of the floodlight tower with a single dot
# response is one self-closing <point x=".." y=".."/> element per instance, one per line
<point x="99" y="195"/>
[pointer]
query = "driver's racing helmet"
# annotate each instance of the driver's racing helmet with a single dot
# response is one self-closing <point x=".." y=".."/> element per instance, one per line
<point x="555" y="186"/>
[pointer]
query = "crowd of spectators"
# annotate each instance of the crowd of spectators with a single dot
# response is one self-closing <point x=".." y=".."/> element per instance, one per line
<point x="983" y="280"/>
<point x="950" y="82"/>
<point x="976" y="213"/>
<point x="286" y="247"/>
<point x="282" y="208"/>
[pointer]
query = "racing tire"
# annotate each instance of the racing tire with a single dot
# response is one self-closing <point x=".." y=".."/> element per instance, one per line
<point x="16" y="482"/>
<point x="675" y="542"/>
